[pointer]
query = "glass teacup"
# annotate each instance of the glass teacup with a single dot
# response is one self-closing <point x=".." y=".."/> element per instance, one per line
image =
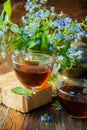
<point x="32" y="69"/>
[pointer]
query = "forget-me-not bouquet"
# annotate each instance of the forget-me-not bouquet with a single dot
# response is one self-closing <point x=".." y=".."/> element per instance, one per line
<point x="42" y="30"/>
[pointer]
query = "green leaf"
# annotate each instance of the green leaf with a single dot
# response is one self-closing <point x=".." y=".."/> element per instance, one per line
<point x="8" y="8"/>
<point x="39" y="35"/>
<point x="19" y="43"/>
<point x="2" y="16"/>
<point x="56" y="104"/>
<point x="45" y="115"/>
<point x="21" y="91"/>
<point x="53" y="79"/>
<point x="45" y="43"/>
<point x="31" y="44"/>
<point x="1" y="23"/>
<point x="64" y="49"/>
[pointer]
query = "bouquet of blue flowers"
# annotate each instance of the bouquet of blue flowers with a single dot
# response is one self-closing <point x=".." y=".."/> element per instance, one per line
<point x="41" y="30"/>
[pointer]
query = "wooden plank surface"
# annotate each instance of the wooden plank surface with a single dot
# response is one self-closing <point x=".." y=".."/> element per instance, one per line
<point x="13" y="120"/>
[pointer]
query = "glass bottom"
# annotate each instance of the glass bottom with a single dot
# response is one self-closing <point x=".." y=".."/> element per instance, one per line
<point x="35" y="89"/>
<point x="77" y="117"/>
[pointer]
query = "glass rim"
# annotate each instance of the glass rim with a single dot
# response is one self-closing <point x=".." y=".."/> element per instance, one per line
<point x="47" y="61"/>
<point x="66" y="93"/>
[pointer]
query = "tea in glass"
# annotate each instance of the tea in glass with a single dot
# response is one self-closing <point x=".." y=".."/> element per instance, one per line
<point x="33" y="69"/>
<point x="74" y="100"/>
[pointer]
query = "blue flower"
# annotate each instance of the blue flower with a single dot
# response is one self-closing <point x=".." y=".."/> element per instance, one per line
<point x="23" y="19"/>
<point x="52" y="8"/>
<point x="25" y="37"/>
<point x="77" y="27"/>
<point x="51" y="42"/>
<point x="67" y="20"/>
<point x="68" y="25"/>
<point x="43" y="1"/>
<point x="59" y="24"/>
<point x="38" y="41"/>
<point x="60" y="108"/>
<point x="35" y="25"/>
<point x="38" y="19"/>
<point x="72" y="92"/>
<point x="26" y="27"/>
<point x="23" y="51"/>
<point x="31" y="33"/>
<point x="29" y="9"/>
<point x="51" y="48"/>
<point x="49" y="118"/>
<point x="73" y="30"/>
<point x="43" y="16"/>
<point x="79" y="52"/>
<point x="59" y="36"/>
<point x="43" y="119"/>
<point x="3" y="55"/>
<point x="37" y="13"/>
<point x="66" y="37"/>
<point x="16" y="52"/>
<point x="82" y="34"/>
<point x="1" y="34"/>
<point x="52" y="24"/>
<point x="3" y="47"/>
<point x="60" y="57"/>
<point x="75" y="36"/>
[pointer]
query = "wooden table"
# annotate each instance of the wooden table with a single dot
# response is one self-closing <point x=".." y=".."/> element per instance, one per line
<point x="13" y="120"/>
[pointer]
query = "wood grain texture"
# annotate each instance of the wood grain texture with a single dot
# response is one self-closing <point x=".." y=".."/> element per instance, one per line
<point x="13" y="120"/>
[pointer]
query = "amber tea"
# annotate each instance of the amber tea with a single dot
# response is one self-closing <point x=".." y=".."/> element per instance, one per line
<point x="32" y="73"/>
<point x="32" y="69"/>
<point x="74" y="100"/>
